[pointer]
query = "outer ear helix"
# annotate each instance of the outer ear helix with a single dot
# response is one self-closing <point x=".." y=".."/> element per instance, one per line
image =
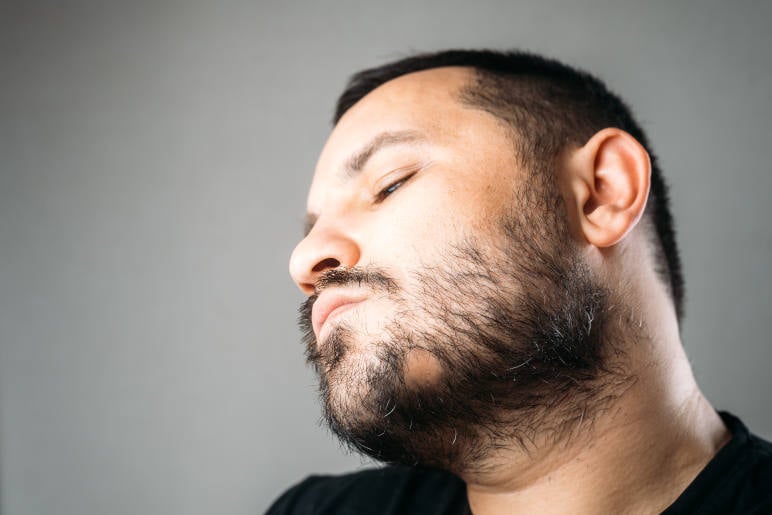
<point x="614" y="171"/>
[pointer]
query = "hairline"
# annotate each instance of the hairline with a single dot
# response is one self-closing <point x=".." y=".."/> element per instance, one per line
<point x="538" y="156"/>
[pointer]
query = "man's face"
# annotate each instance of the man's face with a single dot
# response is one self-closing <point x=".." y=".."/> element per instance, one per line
<point x="444" y="288"/>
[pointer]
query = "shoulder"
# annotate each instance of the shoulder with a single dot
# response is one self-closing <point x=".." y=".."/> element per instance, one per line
<point x="738" y="480"/>
<point x="752" y="474"/>
<point x="759" y="471"/>
<point x="383" y="490"/>
<point x="754" y="452"/>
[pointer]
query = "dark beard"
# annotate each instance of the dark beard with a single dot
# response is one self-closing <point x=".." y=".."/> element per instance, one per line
<point x="520" y="337"/>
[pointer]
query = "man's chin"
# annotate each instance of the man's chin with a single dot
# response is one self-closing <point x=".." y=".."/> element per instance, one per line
<point x="326" y="356"/>
<point x="392" y="429"/>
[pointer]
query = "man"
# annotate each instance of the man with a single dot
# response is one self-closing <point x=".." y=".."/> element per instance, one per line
<point x="494" y="303"/>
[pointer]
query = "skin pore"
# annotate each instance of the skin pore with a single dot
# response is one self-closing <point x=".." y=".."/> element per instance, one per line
<point x="414" y="187"/>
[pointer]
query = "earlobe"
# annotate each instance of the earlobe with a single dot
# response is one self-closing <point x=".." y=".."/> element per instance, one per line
<point x="609" y="184"/>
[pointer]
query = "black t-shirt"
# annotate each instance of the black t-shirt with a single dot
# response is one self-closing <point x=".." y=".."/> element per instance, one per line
<point x="738" y="480"/>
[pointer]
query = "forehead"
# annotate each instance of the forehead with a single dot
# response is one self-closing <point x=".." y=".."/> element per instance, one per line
<point x="407" y="99"/>
<point x="426" y="103"/>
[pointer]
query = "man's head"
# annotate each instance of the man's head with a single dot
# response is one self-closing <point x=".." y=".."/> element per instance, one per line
<point x="460" y="222"/>
<point x="547" y="105"/>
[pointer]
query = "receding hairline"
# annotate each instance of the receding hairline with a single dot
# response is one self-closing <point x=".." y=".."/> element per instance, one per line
<point x="527" y="90"/>
<point x="468" y="76"/>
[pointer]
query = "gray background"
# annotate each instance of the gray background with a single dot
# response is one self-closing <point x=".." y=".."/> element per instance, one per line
<point x="154" y="163"/>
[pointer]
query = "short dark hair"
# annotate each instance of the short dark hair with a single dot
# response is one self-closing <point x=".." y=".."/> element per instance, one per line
<point x="548" y="105"/>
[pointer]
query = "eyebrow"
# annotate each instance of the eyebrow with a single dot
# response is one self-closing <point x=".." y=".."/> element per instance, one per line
<point x="356" y="163"/>
<point x="358" y="160"/>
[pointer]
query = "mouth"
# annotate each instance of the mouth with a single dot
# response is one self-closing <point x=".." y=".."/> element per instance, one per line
<point x="328" y="307"/>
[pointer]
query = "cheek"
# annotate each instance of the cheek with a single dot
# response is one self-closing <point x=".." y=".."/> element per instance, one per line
<point x="421" y="368"/>
<point x="419" y="223"/>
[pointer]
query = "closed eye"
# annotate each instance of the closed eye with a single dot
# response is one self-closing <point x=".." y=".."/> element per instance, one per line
<point x="391" y="188"/>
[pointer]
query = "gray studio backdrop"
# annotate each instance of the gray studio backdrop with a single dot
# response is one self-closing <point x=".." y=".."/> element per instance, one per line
<point x="154" y="159"/>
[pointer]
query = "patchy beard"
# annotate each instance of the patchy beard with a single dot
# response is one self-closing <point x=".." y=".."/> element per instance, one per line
<point x="518" y="334"/>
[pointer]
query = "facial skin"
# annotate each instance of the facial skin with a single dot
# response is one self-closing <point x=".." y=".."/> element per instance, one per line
<point x="505" y="325"/>
<point x="470" y="300"/>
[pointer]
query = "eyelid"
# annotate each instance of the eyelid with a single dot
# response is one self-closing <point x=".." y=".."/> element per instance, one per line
<point x="393" y="178"/>
<point x="402" y="173"/>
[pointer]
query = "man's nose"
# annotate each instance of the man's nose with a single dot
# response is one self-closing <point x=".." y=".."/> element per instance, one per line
<point x="321" y="250"/>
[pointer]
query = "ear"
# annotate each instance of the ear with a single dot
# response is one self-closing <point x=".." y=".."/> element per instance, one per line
<point x="608" y="184"/>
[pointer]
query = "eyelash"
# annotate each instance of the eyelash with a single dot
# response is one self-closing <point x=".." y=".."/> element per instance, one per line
<point x="391" y="188"/>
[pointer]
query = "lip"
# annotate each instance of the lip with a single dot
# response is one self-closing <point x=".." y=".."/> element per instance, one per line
<point x="330" y="305"/>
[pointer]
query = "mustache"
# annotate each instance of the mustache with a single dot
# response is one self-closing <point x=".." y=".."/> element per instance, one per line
<point x="373" y="278"/>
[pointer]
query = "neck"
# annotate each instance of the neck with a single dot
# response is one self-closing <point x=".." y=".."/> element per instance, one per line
<point x="636" y="456"/>
<point x="637" y="461"/>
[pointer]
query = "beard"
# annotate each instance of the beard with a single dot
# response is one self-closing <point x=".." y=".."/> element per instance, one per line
<point x="513" y="328"/>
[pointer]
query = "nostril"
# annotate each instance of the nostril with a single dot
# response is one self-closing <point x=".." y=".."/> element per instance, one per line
<point x="325" y="264"/>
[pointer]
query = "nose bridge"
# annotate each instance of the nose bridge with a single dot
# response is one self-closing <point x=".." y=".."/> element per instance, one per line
<point x="325" y="247"/>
